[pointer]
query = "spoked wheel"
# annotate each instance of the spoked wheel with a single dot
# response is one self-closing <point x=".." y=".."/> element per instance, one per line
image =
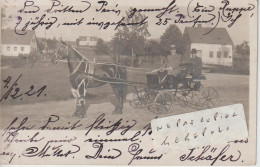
<point x="195" y="100"/>
<point x="183" y="97"/>
<point x="208" y="97"/>
<point x="162" y="103"/>
<point x="152" y="95"/>
<point x="140" y="99"/>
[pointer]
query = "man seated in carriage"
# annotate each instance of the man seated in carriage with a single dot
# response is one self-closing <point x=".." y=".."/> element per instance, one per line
<point x="174" y="72"/>
<point x="169" y="74"/>
<point x="196" y="68"/>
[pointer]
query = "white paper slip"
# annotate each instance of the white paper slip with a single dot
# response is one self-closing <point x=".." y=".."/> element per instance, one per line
<point x="211" y="126"/>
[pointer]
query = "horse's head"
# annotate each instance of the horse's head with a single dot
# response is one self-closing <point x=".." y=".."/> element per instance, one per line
<point x="61" y="53"/>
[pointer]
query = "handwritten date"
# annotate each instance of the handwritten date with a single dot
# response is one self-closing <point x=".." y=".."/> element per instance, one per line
<point x="13" y="90"/>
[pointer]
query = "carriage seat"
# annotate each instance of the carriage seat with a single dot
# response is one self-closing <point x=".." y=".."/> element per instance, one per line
<point x="152" y="80"/>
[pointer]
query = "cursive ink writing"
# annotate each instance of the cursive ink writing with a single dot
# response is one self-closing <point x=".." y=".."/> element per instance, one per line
<point x="120" y="23"/>
<point x="12" y="130"/>
<point x="54" y="119"/>
<point x="31" y="6"/>
<point x="99" y="124"/>
<point x="239" y="141"/>
<point x="135" y="150"/>
<point x="102" y="9"/>
<point x="71" y="9"/>
<point x="38" y="21"/>
<point x="170" y="14"/>
<point x="133" y="138"/>
<point x="50" y="150"/>
<point x="116" y="152"/>
<point x="14" y="139"/>
<point x="11" y="154"/>
<point x="208" y="153"/>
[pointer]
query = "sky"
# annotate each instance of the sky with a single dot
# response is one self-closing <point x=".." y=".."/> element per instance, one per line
<point x="239" y="32"/>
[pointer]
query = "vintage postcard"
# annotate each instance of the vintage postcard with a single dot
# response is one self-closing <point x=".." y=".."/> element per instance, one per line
<point x="128" y="82"/>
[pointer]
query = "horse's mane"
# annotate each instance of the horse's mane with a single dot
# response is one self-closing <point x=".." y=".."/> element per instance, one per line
<point x="79" y="55"/>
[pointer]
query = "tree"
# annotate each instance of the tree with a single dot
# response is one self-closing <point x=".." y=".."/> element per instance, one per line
<point x="40" y="45"/>
<point x="52" y="44"/>
<point x="102" y="48"/>
<point x="4" y="18"/>
<point x="243" y="50"/>
<point x="130" y="40"/>
<point x="172" y="36"/>
<point x="154" y="48"/>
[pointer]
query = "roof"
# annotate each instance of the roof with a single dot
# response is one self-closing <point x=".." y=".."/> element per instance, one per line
<point x="10" y="37"/>
<point x="216" y="36"/>
<point x="83" y="38"/>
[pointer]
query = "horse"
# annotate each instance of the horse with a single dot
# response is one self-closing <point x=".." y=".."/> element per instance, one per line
<point x="84" y="74"/>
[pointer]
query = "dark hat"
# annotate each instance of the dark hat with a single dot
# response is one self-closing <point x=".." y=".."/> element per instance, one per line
<point x="193" y="51"/>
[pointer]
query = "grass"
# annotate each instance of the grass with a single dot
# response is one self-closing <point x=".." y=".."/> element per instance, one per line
<point x="55" y="77"/>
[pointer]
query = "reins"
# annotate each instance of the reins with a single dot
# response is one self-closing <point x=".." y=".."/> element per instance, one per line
<point x="115" y="80"/>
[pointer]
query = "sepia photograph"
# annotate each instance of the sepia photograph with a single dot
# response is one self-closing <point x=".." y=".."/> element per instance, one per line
<point x="91" y="75"/>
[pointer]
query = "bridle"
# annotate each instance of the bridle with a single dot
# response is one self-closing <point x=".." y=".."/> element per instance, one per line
<point x="57" y="56"/>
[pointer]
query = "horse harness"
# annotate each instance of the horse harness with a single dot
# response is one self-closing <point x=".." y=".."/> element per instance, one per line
<point x="79" y="90"/>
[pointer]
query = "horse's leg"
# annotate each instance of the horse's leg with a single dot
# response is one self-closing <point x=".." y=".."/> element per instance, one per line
<point x="82" y="90"/>
<point x="121" y="98"/>
<point x="114" y="87"/>
<point x="120" y="109"/>
<point x="75" y="93"/>
<point x="119" y="91"/>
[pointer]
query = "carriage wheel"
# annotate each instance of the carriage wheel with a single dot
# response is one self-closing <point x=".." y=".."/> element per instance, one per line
<point x="195" y="100"/>
<point x="209" y="97"/>
<point x="152" y="93"/>
<point x="183" y="97"/>
<point x="163" y="103"/>
<point x="139" y="100"/>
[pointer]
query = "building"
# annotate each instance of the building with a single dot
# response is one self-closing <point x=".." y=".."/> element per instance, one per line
<point x="214" y="48"/>
<point x="14" y="44"/>
<point x="87" y="41"/>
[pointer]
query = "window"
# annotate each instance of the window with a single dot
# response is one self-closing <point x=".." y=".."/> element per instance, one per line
<point x="22" y="48"/>
<point x="218" y="54"/>
<point x="210" y="54"/>
<point x="225" y="54"/>
<point x="15" y="48"/>
<point x="8" y="48"/>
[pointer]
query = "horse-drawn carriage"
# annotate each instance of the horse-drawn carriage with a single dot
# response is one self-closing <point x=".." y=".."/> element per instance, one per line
<point x="159" y="94"/>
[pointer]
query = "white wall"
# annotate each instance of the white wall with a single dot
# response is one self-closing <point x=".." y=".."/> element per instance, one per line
<point x="92" y="43"/>
<point x="27" y="48"/>
<point x="88" y="43"/>
<point x="205" y="53"/>
<point x="12" y="52"/>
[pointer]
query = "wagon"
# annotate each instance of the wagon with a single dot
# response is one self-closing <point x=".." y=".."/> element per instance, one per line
<point x="159" y="94"/>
